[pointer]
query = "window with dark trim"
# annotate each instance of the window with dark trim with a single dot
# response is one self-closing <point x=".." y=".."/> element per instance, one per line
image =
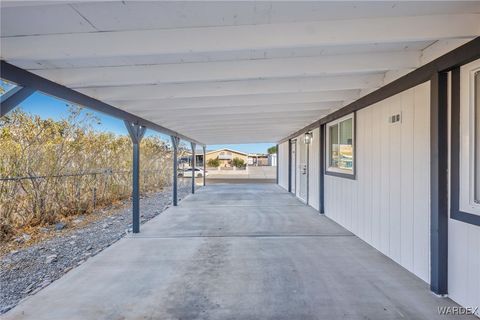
<point x="465" y="144"/>
<point x="340" y="155"/>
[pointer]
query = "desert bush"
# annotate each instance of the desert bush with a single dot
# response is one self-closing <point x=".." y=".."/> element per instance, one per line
<point x="213" y="163"/>
<point x="50" y="169"/>
<point x="237" y="162"/>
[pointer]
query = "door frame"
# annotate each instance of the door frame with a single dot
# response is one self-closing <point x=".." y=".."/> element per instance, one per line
<point x="293" y="166"/>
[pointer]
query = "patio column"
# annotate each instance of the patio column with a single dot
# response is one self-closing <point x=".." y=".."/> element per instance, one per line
<point x="322" y="169"/>
<point x="136" y="133"/>
<point x="276" y="162"/>
<point x="204" y="165"/>
<point x="193" y="145"/>
<point x="175" y="142"/>
<point x="439" y="181"/>
<point x="289" y="165"/>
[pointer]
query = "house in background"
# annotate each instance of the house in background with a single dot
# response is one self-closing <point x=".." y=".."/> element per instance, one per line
<point x="258" y="159"/>
<point x="185" y="161"/>
<point x="272" y="159"/>
<point x="225" y="156"/>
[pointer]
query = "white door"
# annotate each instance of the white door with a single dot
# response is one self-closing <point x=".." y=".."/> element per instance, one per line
<point x="302" y="171"/>
<point x="293" y="166"/>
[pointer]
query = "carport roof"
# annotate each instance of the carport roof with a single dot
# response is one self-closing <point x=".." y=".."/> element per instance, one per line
<point x="230" y="72"/>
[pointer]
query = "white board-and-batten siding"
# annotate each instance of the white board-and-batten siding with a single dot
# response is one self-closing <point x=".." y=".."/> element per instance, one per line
<point x="388" y="204"/>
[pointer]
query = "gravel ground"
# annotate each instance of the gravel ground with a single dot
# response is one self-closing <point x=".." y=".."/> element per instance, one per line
<point x="27" y="271"/>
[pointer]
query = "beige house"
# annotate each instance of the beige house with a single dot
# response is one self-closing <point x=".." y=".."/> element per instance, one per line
<point x="225" y="156"/>
<point x="258" y="159"/>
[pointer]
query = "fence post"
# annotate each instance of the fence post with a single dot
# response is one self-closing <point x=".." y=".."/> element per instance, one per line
<point x="136" y="133"/>
<point x="94" y="197"/>
<point x="193" y="145"/>
<point x="175" y="142"/>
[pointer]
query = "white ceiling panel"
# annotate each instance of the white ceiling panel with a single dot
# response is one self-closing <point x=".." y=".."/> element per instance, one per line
<point x="244" y="100"/>
<point x="50" y="19"/>
<point x="230" y="38"/>
<point x="230" y="72"/>
<point x="240" y="87"/>
<point x="134" y="15"/>
<point x="211" y="56"/>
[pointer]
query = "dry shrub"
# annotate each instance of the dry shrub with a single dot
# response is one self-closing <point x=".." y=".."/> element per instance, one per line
<point x="61" y="168"/>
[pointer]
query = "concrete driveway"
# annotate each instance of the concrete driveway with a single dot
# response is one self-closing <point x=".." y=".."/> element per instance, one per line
<point x="237" y="252"/>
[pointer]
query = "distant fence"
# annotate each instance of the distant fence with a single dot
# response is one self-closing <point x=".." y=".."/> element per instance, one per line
<point x="226" y="168"/>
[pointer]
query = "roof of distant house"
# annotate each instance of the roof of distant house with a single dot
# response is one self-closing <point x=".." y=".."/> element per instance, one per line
<point x="226" y="149"/>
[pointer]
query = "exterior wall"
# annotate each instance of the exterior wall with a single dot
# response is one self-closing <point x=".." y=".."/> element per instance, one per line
<point x="388" y="205"/>
<point x="314" y="171"/>
<point x="283" y="165"/>
<point x="464" y="263"/>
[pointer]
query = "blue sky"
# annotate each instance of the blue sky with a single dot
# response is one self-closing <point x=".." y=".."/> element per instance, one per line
<point x="50" y="107"/>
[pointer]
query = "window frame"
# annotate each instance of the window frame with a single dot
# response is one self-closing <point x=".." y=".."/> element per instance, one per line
<point x="462" y="205"/>
<point x="468" y="134"/>
<point x="335" y="171"/>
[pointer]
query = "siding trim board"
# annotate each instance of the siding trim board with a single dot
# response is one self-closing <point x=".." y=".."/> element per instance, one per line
<point x="439" y="183"/>
<point x="289" y="165"/>
<point x="322" y="169"/>
<point x="308" y="172"/>
<point x="455" y="58"/>
<point x="278" y="158"/>
<point x="455" y="212"/>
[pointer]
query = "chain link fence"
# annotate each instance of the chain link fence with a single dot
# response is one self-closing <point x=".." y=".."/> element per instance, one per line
<point x="36" y="199"/>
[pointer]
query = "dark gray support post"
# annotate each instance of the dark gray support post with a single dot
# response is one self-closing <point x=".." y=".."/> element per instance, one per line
<point x="308" y="173"/>
<point x="439" y="184"/>
<point x="193" y="145"/>
<point x="204" y="165"/>
<point x="13" y="98"/>
<point x="175" y="143"/>
<point x="136" y="133"/>
<point x="289" y="165"/>
<point x="276" y="154"/>
<point x="322" y="169"/>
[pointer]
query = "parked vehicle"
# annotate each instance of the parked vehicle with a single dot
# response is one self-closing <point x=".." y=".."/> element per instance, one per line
<point x="198" y="173"/>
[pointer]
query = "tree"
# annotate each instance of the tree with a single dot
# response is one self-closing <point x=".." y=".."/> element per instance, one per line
<point x="213" y="163"/>
<point x="272" y="150"/>
<point x="237" y="162"/>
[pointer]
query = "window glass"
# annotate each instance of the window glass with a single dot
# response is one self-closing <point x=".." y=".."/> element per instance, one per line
<point x="340" y="145"/>
<point x="333" y="145"/>
<point x="345" y="149"/>
<point x="477" y="135"/>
